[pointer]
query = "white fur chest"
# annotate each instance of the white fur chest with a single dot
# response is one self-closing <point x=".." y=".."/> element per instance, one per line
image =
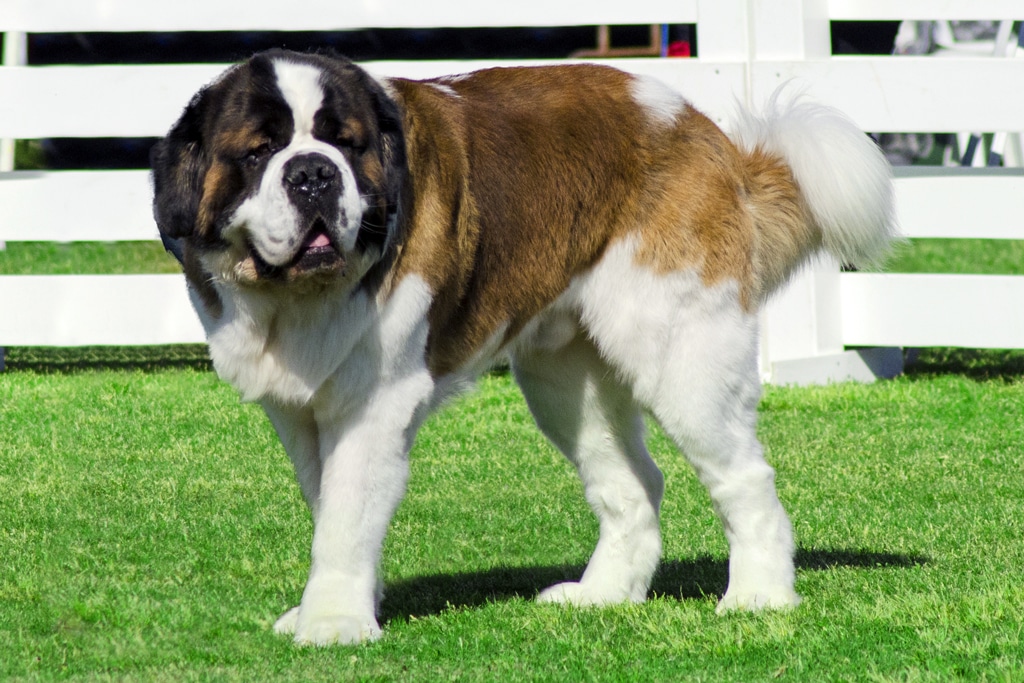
<point x="290" y="349"/>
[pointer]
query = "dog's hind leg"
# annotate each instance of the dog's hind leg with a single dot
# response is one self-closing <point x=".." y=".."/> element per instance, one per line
<point x="703" y="387"/>
<point x="709" y="407"/>
<point x="689" y="351"/>
<point x="592" y="418"/>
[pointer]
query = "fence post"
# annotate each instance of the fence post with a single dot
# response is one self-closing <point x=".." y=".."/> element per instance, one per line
<point x="801" y="332"/>
<point x="790" y="30"/>
<point x="15" y="53"/>
<point x="723" y="32"/>
<point x="802" y="335"/>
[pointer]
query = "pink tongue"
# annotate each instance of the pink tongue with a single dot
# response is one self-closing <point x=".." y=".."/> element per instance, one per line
<point x="320" y="240"/>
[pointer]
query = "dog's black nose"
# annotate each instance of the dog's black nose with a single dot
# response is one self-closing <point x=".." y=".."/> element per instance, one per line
<point x="310" y="175"/>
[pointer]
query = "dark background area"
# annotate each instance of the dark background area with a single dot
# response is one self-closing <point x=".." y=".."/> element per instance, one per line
<point x="365" y="45"/>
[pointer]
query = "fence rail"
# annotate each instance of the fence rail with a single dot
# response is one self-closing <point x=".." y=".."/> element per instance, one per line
<point x="746" y="50"/>
<point x="55" y="16"/>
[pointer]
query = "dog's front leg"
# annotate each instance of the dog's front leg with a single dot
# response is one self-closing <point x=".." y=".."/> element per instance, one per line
<point x="364" y="458"/>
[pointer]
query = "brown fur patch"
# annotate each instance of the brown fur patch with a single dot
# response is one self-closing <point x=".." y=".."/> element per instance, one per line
<point x="785" y="233"/>
<point x="732" y="215"/>
<point x="521" y="178"/>
<point x="218" y="189"/>
<point x="696" y="214"/>
<point x="519" y="182"/>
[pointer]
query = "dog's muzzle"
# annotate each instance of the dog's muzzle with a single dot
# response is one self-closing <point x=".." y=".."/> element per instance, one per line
<point x="313" y="184"/>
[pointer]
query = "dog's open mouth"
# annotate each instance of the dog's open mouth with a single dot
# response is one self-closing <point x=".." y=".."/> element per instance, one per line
<point x="318" y="254"/>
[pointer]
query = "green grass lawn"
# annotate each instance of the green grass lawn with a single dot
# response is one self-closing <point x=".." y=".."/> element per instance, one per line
<point x="150" y="529"/>
<point x="85" y="258"/>
<point x="982" y="257"/>
<point x="985" y="257"/>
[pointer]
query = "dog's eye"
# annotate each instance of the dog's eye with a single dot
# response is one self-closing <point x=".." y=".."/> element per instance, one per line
<point x="356" y="143"/>
<point x="257" y="153"/>
<point x="351" y="135"/>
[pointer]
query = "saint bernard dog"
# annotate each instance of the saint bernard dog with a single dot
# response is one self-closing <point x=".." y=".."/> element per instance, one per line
<point x="359" y="248"/>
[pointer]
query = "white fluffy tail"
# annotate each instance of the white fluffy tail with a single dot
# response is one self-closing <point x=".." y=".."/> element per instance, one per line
<point x="842" y="176"/>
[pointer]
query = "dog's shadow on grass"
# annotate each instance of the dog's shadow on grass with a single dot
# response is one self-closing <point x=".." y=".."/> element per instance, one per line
<point x="681" y="579"/>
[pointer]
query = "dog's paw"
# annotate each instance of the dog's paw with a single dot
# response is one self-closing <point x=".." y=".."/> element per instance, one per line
<point x="285" y="624"/>
<point x="326" y="629"/>
<point x="561" y="593"/>
<point x="337" y="629"/>
<point x="581" y="595"/>
<point x="755" y="601"/>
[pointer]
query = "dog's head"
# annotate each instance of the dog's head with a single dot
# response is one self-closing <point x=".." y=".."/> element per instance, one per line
<point x="287" y="168"/>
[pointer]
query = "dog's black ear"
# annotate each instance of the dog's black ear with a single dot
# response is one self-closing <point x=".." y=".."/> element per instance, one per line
<point x="392" y="139"/>
<point x="179" y="167"/>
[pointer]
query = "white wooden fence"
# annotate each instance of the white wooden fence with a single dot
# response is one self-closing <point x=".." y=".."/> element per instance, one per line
<point x="746" y="48"/>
